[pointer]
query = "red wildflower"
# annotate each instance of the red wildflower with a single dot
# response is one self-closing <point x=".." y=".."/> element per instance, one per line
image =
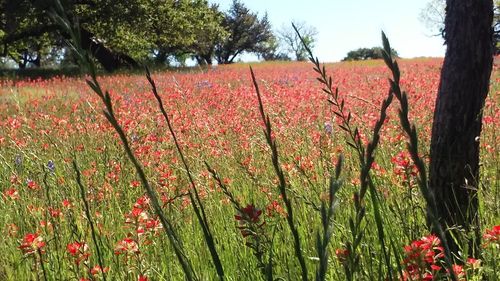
<point x="32" y="243"/>
<point x="459" y="272"/>
<point x="127" y="246"/>
<point x="11" y="194"/>
<point x="275" y="208"/>
<point x="422" y="258"/>
<point x="97" y="269"/>
<point x="492" y="236"/>
<point x="55" y="213"/>
<point x="403" y="165"/>
<point x="142" y="202"/>
<point x="474" y="263"/>
<point x="249" y="213"/>
<point x="67" y="203"/>
<point x="32" y="184"/>
<point x="342" y="254"/>
<point x="136" y="215"/>
<point x="153" y="224"/>
<point x="78" y="250"/>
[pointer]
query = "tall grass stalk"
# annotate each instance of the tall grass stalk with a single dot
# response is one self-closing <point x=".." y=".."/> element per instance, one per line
<point x="59" y="16"/>
<point x="327" y="211"/>
<point x="283" y="185"/>
<point x="42" y="265"/>
<point x="366" y="157"/>
<point x="89" y="219"/>
<point x="412" y="147"/>
<point x="57" y="234"/>
<point x="195" y="200"/>
<point x="224" y="188"/>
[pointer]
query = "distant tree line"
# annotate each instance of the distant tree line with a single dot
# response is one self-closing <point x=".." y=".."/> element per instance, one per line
<point x="367" y="53"/>
<point x="126" y="33"/>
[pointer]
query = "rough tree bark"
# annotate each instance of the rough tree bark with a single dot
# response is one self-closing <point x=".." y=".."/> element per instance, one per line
<point x="454" y="163"/>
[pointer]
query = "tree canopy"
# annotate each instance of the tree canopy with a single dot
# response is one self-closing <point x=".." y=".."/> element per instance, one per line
<point x="127" y="32"/>
<point x="247" y="33"/>
<point x="292" y="42"/>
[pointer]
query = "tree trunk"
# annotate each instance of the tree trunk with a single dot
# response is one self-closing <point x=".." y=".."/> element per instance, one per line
<point x="199" y="60"/>
<point x="37" y="61"/>
<point x="454" y="165"/>
<point x="208" y="59"/>
<point x="161" y="57"/>
<point x="203" y="59"/>
<point x="109" y="59"/>
<point x="21" y="64"/>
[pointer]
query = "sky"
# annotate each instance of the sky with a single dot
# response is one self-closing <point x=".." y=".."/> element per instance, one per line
<point x="345" y="25"/>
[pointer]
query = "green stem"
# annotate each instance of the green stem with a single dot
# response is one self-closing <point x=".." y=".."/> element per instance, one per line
<point x="282" y="182"/>
<point x="195" y="201"/>
<point x="89" y="218"/>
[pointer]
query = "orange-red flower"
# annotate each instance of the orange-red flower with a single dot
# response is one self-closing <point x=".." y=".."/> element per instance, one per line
<point x="423" y="258"/>
<point x="492" y="236"/>
<point x="249" y="213"/>
<point x="79" y="251"/>
<point x="97" y="270"/>
<point x="32" y="242"/>
<point x="342" y="255"/>
<point x="127" y="246"/>
<point x="11" y="194"/>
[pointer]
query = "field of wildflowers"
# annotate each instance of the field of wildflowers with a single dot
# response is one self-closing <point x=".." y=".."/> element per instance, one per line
<point x="74" y="208"/>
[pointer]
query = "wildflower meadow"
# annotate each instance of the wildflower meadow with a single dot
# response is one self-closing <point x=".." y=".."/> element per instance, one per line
<point x="230" y="174"/>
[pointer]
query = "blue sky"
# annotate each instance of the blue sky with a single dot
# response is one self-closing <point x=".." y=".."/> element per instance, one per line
<point x="345" y="25"/>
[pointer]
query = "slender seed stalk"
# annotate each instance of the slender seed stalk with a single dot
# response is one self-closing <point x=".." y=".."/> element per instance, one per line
<point x="412" y="146"/>
<point x="59" y="15"/>
<point x="366" y="157"/>
<point x="52" y="220"/>
<point x="224" y="188"/>
<point x="167" y="225"/>
<point x="322" y="241"/>
<point x="283" y="185"/>
<point x="42" y="265"/>
<point x="89" y="219"/>
<point x="195" y="200"/>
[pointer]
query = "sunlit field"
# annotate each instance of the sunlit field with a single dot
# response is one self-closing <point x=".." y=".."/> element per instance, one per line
<point x="54" y="228"/>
